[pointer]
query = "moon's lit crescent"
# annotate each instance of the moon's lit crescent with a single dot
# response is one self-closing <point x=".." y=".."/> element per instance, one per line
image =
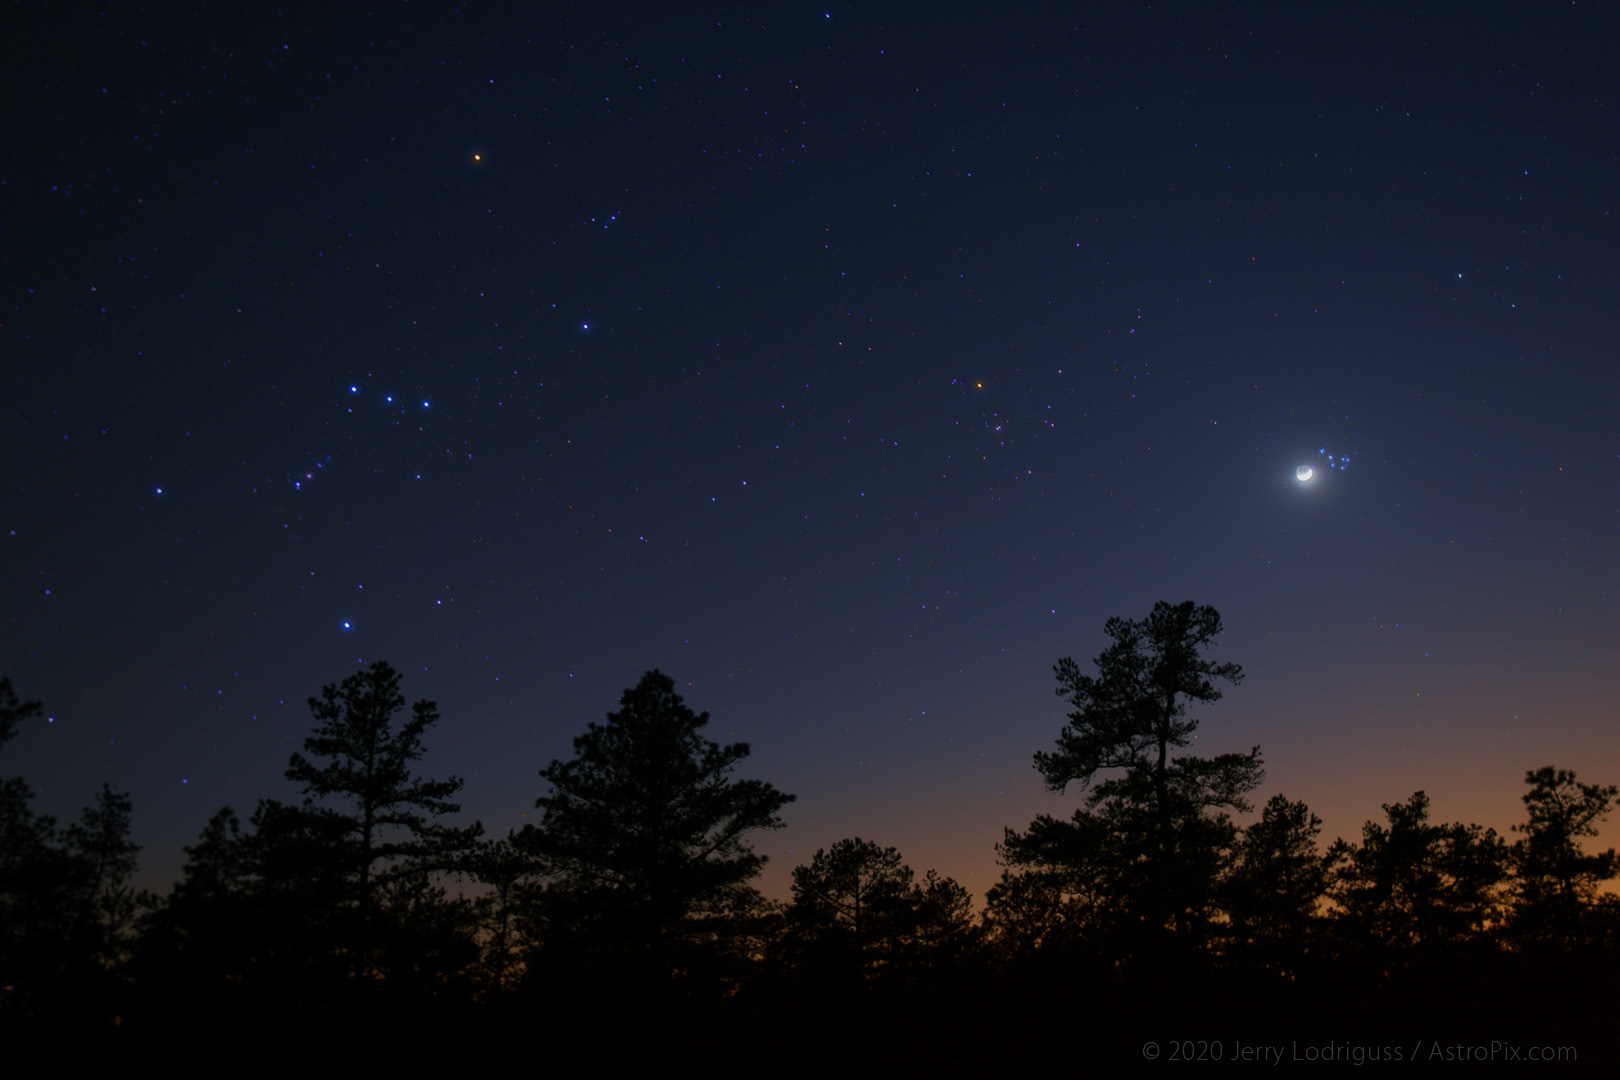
<point x="1304" y="473"/>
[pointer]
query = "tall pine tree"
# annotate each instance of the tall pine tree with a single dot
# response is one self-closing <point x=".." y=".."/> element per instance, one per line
<point x="360" y="767"/>
<point x="1155" y="830"/>
<point x="645" y="835"/>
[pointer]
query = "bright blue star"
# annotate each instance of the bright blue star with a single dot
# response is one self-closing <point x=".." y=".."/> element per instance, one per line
<point x="347" y="625"/>
<point x="1332" y="460"/>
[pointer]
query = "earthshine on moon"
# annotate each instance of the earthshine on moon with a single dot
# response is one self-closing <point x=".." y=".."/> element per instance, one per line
<point x="1304" y="473"/>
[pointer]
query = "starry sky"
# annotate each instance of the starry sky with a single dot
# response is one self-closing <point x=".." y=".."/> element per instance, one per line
<point x="850" y="364"/>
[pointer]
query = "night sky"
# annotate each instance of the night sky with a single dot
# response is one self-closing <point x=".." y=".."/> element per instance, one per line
<point x="849" y="364"/>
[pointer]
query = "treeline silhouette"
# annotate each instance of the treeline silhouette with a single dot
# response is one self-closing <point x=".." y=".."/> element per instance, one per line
<point x="357" y="929"/>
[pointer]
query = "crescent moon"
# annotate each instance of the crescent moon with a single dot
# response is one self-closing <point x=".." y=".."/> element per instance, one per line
<point x="1304" y="473"/>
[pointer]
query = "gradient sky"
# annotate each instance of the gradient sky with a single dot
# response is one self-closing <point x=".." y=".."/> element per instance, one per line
<point x="850" y="364"/>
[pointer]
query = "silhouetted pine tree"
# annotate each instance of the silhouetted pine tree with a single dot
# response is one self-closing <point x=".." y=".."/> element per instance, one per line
<point x="66" y="903"/>
<point x="382" y="820"/>
<point x="644" y="841"/>
<point x="1555" y="883"/>
<point x="1274" y="889"/>
<point x="1414" y="889"/>
<point x="1147" y="849"/>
